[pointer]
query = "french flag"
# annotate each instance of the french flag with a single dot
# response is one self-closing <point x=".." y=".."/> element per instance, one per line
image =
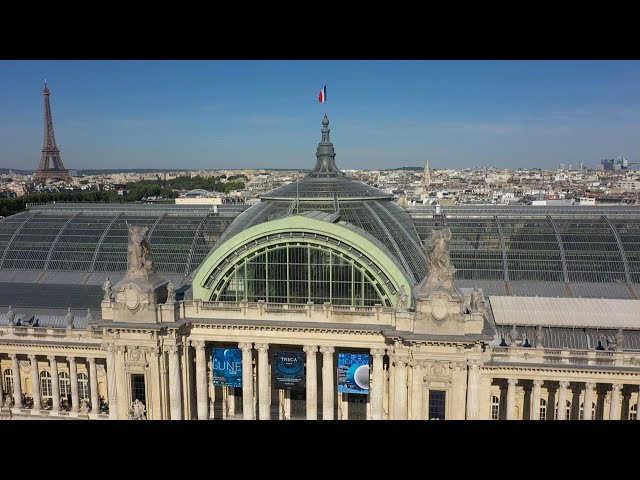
<point x="323" y="95"/>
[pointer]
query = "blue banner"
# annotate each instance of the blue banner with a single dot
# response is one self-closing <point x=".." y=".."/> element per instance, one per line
<point x="288" y="370"/>
<point x="353" y="373"/>
<point x="227" y="367"/>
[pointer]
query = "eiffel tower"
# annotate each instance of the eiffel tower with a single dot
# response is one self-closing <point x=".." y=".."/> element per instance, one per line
<point x="51" y="166"/>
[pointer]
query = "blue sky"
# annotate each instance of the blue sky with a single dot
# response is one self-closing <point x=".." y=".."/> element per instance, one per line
<point x="237" y="114"/>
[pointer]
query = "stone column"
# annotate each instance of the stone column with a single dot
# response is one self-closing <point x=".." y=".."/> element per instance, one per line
<point x="17" y="384"/>
<point x="562" y="401"/>
<point x="73" y="373"/>
<point x="327" y="382"/>
<point x="55" y="383"/>
<point x="377" y="387"/>
<point x="35" y="383"/>
<point x="473" y="401"/>
<point x="202" y="385"/>
<point x="312" y="382"/>
<point x="614" y="413"/>
<point x="264" y="393"/>
<point x="400" y="387"/>
<point x="175" y="384"/>
<point x="511" y="398"/>
<point x="588" y="401"/>
<point x="111" y="382"/>
<point x="247" y="380"/>
<point x="93" y="385"/>
<point x="535" y="400"/>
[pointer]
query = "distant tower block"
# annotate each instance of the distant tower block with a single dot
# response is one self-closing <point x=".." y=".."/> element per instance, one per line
<point x="51" y="166"/>
<point x="427" y="174"/>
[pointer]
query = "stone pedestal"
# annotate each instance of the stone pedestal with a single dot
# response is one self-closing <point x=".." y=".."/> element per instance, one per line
<point x="137" y="298"/>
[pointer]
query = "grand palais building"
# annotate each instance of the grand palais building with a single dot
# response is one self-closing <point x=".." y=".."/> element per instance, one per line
<point x="325" y="300"/>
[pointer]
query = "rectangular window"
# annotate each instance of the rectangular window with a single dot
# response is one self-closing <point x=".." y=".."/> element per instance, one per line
<point x="137" y="388"/>
<point x="437" y="399"/>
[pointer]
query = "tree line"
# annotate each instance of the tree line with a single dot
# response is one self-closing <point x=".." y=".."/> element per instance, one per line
<point x="135" y="192"/>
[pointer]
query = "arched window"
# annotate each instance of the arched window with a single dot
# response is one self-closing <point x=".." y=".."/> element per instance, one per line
<point x="8" y="381"/>
<point x="633" y="411"/>
<point x="83" y="386"/>
<point x="65" y="385"/>
<point x="543" y="409"/>
<point x="495" y="408"/>
<point x="45" y="384"/>
<point x="301" y="273"/>
<point x="567" y="412"/>
<point x="593" y="411"/>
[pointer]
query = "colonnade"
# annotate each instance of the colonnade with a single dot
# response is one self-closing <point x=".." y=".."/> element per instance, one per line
<point x="263" y="380"/>
<point x="562" y="394"/>
<point x="37" y="394"/>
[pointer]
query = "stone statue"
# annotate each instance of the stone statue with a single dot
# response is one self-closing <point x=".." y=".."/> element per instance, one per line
<point x="69" y="318"/>
<point x="8" y="401"/>
<point x="106" y="288"/>
<point x="401" y="300"/>
<point x="477" y="303"/>
<point x="440" y="273"/>
<point x="516" y="339"/>
<point x="11" y="316"/>
<point x="171" y="293"/>
<point x="539" y="337"/>
<point x="138" y="410"/>
<point x="84" y="406"/>
<point x="437" y="252"/>
<point x="619" y="340"/>
<point x="139" y="258"/>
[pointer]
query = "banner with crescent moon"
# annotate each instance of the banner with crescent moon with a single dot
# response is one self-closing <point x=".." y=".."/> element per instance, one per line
<point x="227" y="367"/>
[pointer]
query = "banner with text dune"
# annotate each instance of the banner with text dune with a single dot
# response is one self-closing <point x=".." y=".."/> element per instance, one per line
<point x="227" y="367"/>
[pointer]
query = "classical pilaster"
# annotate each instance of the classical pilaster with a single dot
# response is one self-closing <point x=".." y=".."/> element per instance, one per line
<point x="247" y="380"/>
<point x="473" y="401"/>
<point x="328" y="386"/>
<point x="264" y="394"/>
<point x="400" y="387"/>
<point x="535" y="400"/>
<point x="55" y="383"/>
<point x="588" y="401"/>
<point x="175" y="384"/>
<point x="73" y="374"/>
<point x="111" y="381"/>
<point x="202" y="386"/>
<point x="93" y="385"/>
<point x="415" y="400"/>
<point x="35" y="383"/>
<point x="511" y="398"/>
<point x="614" y="413"/>
<point x="377" y="387"/>
<point x="17" y="384"/>
<point x="562" y="401"/>
<point x="312" y="381"/>
<point x="123" y="388"/>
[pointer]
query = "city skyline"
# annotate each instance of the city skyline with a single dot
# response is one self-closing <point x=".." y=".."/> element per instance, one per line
<point x="264" y="114"/>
